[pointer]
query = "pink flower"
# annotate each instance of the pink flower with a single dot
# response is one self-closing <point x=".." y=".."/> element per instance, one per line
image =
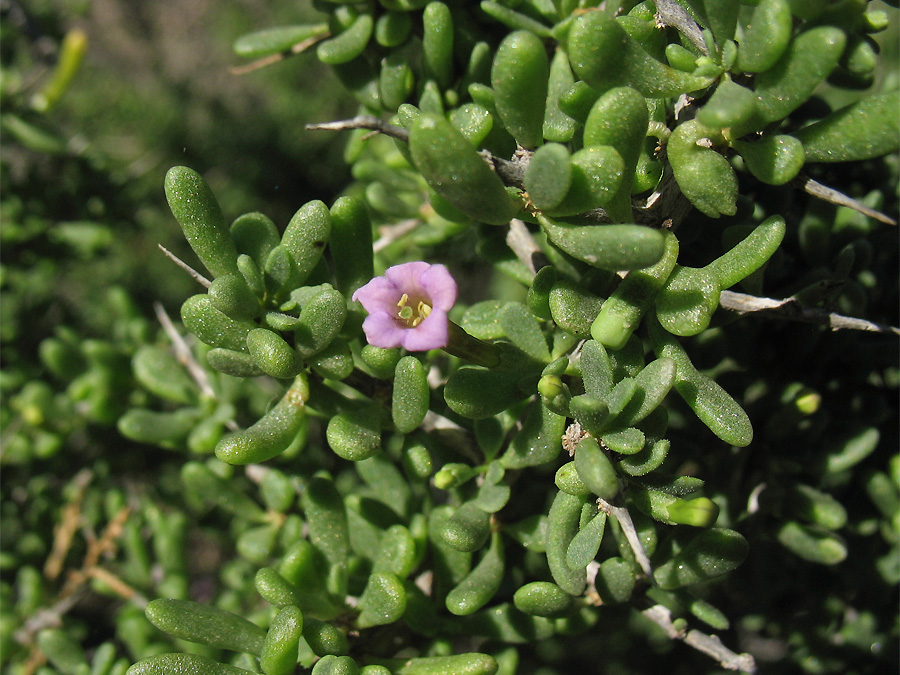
<point x="408" y="307"/>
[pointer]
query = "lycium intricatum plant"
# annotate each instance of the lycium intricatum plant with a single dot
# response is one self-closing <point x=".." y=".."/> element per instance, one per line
<point x="586" y="449"/>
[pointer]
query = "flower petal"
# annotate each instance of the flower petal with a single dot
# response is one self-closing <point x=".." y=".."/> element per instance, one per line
<point x="379" y="295"/>
<point x="382" y="331"/>
<point x="440" y="286"/>
<point x="432" y="333"/>
<point x="405" y="277"/>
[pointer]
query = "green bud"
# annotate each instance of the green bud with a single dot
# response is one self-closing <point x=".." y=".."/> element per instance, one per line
<point x="699" y="512"/>
<point x="197" y="211"/>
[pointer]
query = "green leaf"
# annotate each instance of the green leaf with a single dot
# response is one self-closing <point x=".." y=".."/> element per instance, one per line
<point x="197" y="211"/>
<point x="480" y="585"/>
<point x="542" y="598"/>
<point x="710" y="554"/>
<point x="203" y="624"/>
<point x="612" y="247"/>
<point x="273" y="433"/>
<point x="166" y="664"/>
<point x="812" y="543"/>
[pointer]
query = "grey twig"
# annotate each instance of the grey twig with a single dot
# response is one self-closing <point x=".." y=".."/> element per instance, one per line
<point x="363" y="122"/>
<point x="621" y="514"/>
<point x="183" y="352"/>
<point x="298" y="48"/>
<point x="710" y="645"/>
<point x="791" y="309"/>
<point x="521" y="242"/>
<point x="670" y="13"/>
<point x="202" y="280"/>
<point x="833" y="196"/>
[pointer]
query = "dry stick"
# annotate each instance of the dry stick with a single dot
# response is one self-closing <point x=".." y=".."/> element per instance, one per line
<point x="710" y="645"/>
<point x="670" y="13"/>
<point x="621" y="514"/>
<point x="298" y="48"/>
<point x="202" y="280"/>
<point x="791" y="309"/>
<point x="521" y="242"/>
<point x="363" y="122"/>
<point x="833" y="196"/>
<point x="183" y="352"/>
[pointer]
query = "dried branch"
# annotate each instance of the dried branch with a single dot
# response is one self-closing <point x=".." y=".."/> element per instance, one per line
<point x="621" y="514"/>
<point x="710" y="645"/>
<point x="184" y="354"/>
<point x="363" y="122"/>
<point x="833" y="196"/>
<point x="298" y="48"/>
<point x="521" y="242"/>
<point x="187" y="268"/>
<point x="792" y="310"/>
<point x="670" y="13"/>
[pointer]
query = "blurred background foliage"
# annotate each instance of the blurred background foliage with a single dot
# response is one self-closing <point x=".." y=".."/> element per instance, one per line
<point x="82" y="211"/>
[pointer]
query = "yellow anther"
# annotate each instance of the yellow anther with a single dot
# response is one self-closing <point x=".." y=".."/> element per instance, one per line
<point x="403" y="300"/>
